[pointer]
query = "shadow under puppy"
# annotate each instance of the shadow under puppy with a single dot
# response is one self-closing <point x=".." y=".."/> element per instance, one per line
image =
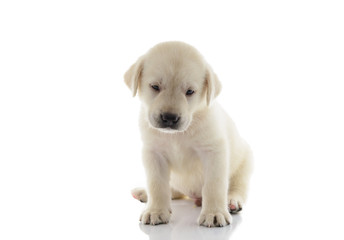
<point x="190" y="145"/>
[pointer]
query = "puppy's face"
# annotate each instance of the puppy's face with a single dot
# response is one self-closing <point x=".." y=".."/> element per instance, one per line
<point x="173" y="82"/>
<point x="172" y="88"/>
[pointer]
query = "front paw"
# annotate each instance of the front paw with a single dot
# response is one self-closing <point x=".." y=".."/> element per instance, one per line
<point x="218" y="218"/>
<point x="155" y="216"/>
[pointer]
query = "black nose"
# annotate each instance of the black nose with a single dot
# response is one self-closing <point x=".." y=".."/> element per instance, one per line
<point x="169" y="119"/>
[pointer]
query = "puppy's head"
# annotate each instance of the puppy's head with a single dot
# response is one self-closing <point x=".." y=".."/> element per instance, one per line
<point x="173" y="82"/>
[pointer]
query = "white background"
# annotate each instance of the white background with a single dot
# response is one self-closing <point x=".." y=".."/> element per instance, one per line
<point x="69" y="138"/>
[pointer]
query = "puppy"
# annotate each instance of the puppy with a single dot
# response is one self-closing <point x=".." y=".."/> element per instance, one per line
<point x="190" y="146"/>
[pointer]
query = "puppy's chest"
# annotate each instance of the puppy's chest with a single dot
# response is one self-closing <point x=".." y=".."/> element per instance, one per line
<point x="185" y="165"/>
<point x="180" y="154"/>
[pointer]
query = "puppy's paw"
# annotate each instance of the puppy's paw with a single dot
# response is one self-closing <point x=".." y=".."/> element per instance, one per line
<point x="139" y="194"/>
<point x="155" y="216"/>
<point x="234" y="206"/>
<point x="214" y="218"/>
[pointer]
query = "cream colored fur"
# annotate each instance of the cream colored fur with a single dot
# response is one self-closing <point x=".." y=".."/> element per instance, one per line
<point x="205" y="158"/>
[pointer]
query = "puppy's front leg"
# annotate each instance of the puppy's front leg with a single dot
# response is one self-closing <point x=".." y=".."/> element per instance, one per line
<point x="159" y="193"/>
<point x="214" y="193"/>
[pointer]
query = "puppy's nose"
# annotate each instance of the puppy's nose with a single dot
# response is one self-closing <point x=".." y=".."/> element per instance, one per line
<point x="169" y="119"/>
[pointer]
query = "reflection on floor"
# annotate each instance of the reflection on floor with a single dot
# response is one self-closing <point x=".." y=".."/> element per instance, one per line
<point x="183" y="225"/>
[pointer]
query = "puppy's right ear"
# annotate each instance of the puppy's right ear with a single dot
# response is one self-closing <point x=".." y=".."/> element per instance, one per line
<point x="133" y="76"/>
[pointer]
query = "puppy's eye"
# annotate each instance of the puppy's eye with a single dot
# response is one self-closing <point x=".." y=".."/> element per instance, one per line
<point x="155" y="87"/>
<point x="189" y="92"/>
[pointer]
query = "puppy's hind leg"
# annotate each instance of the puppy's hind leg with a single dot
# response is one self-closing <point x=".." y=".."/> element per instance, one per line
<point x="239" y="186"/>
<point x="141" y="194"/>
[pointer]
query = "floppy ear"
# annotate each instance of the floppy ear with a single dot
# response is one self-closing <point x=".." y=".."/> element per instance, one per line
<point x="213" y="85"/>
<point x="133" y="76"/>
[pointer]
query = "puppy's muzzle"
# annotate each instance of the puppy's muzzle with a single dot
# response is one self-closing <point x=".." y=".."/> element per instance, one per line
<point x="169" y="120"/>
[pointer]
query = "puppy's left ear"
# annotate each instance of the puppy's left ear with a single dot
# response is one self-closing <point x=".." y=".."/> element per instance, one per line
<point x="213" y="85"/>
<point x="133" y="76"/>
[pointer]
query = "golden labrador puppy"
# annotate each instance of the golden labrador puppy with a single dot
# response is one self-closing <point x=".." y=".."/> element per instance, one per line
<point x="190" y="145"/>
